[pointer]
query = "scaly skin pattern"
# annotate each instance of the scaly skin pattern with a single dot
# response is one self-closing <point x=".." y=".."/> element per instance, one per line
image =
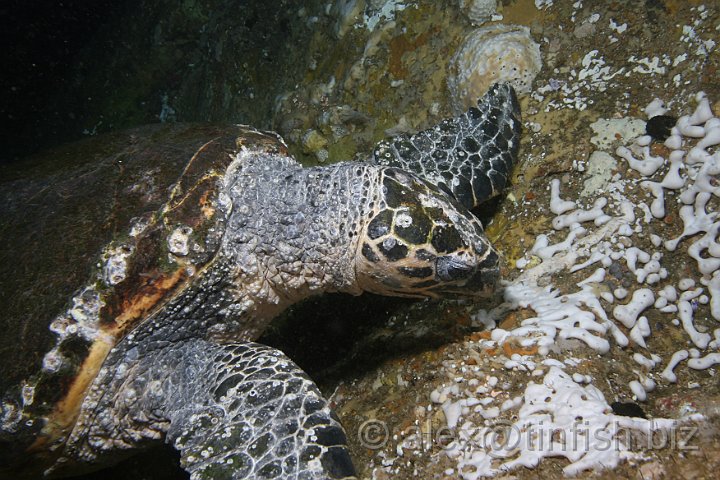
<point x="191" y="375"/>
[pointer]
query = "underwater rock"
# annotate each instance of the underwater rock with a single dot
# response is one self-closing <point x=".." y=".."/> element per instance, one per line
<point x="344" y="12"/>
<point x="313" y="141"/>
<point x="659" y="126"/>
<point x="497" y="53"/>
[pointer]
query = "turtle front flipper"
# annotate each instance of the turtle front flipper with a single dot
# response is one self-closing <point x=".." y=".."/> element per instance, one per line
<point x="256" y="415"/>
<point x="237" y="410"/>
<point x="469" y="156"/>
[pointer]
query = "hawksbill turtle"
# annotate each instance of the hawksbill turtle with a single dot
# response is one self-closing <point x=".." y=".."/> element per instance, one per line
<point x="138" y="271"/>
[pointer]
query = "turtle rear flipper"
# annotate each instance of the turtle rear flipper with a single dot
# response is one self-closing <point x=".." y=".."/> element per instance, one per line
<point x="257" y="415"/>
<point x="469" y="156"/>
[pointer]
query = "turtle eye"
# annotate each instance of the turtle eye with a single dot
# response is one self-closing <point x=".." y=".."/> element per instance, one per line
<point x="446" y="239"/>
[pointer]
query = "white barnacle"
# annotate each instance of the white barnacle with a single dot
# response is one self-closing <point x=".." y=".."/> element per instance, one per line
<point x="138" y="225"/>
<point x="403" y="220"/>
<point x="28" y="394"/>
<point x="52" y="361"/>
<point x="179" y="240"/>
<point x="245" y="210"/>
<point x="115" y="268"/>
<point x="60" y="325"/>
<point x="11" y="416"/>
<point x="389" y="243"/>
<point x="130" y="395"/>
<point x="121" y="369"/>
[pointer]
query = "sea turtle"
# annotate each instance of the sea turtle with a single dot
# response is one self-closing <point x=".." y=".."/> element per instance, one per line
<point x="138" y="269"/>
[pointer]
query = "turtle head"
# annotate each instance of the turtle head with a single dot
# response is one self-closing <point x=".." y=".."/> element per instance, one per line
<point x="420" y="242"/>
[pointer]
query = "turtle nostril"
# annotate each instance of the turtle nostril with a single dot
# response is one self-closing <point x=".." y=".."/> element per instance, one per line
<point x="450" y="267"/>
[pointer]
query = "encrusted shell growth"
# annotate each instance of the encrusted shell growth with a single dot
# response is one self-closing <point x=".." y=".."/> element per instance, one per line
<point x="497" y="53"/>
<point x="479" y="11"/>
<point x="98" y="235"/>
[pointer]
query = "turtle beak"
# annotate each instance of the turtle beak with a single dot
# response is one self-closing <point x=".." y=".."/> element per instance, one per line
<point x="473" y="276"/>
